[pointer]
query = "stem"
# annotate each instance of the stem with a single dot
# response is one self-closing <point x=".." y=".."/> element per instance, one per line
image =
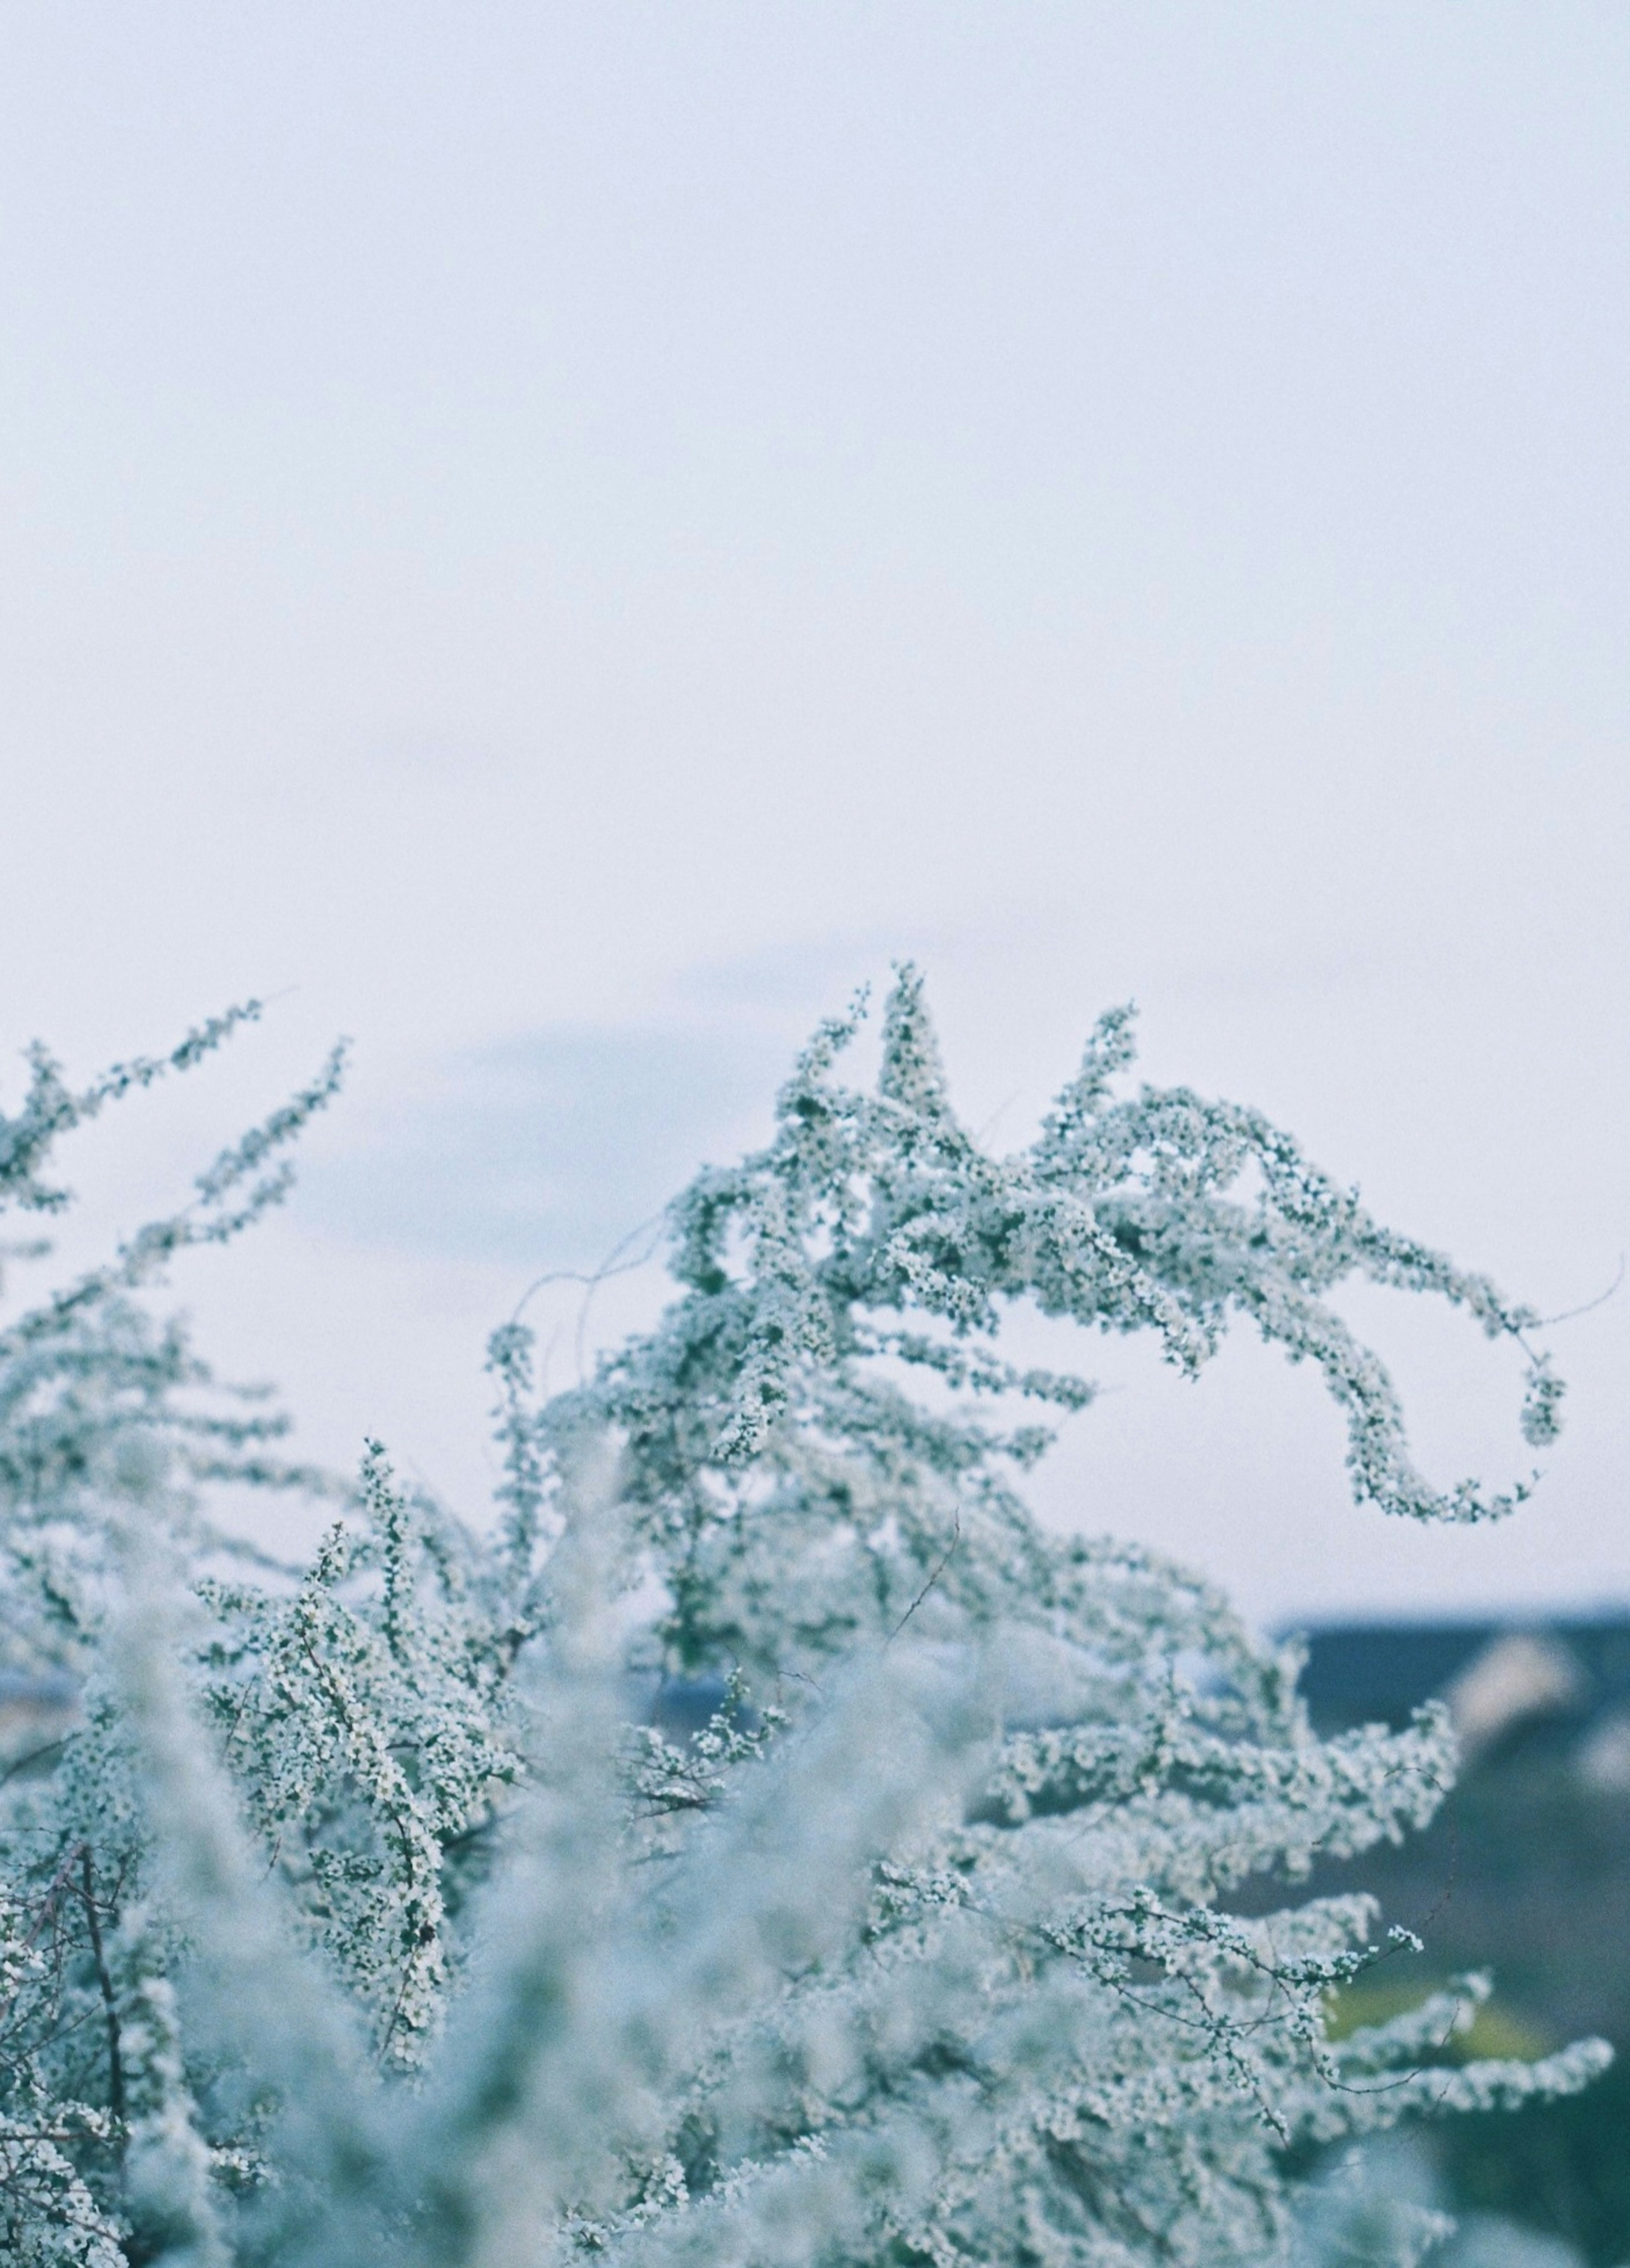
<point x="115" y="2061"/>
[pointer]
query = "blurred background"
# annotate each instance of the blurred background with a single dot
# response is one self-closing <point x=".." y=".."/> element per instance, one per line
<point x="558" y="540"/>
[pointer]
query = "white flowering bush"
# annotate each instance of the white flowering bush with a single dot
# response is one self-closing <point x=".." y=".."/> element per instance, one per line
<point x="761" y="1843"/>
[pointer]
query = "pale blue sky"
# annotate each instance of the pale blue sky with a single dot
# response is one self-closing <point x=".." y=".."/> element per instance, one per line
<point x="557" y="539"/>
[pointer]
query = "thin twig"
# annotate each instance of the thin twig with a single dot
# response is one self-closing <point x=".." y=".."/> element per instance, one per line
<point x="1600" y="1301"/>
<point x="956" y="1538"/>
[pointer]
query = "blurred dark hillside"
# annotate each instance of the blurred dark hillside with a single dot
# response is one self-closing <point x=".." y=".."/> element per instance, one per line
<point x="1526" y="1873"/>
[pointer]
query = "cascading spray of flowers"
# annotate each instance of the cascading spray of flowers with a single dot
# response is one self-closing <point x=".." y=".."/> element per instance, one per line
<point x="370" y="1914"/>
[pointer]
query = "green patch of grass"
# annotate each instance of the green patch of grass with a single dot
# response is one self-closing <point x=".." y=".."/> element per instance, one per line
<point x="1495" y="2030"/>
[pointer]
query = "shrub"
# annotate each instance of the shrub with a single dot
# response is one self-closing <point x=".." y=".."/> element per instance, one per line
<point x="387" y="1909"/>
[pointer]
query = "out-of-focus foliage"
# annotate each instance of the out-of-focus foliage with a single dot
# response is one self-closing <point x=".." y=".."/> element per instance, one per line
<point x="1527" y="1867"/>
<point x="374" y="1912"/>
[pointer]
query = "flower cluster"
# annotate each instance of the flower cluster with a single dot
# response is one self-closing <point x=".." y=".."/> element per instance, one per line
<point x="763" y="1843"/>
